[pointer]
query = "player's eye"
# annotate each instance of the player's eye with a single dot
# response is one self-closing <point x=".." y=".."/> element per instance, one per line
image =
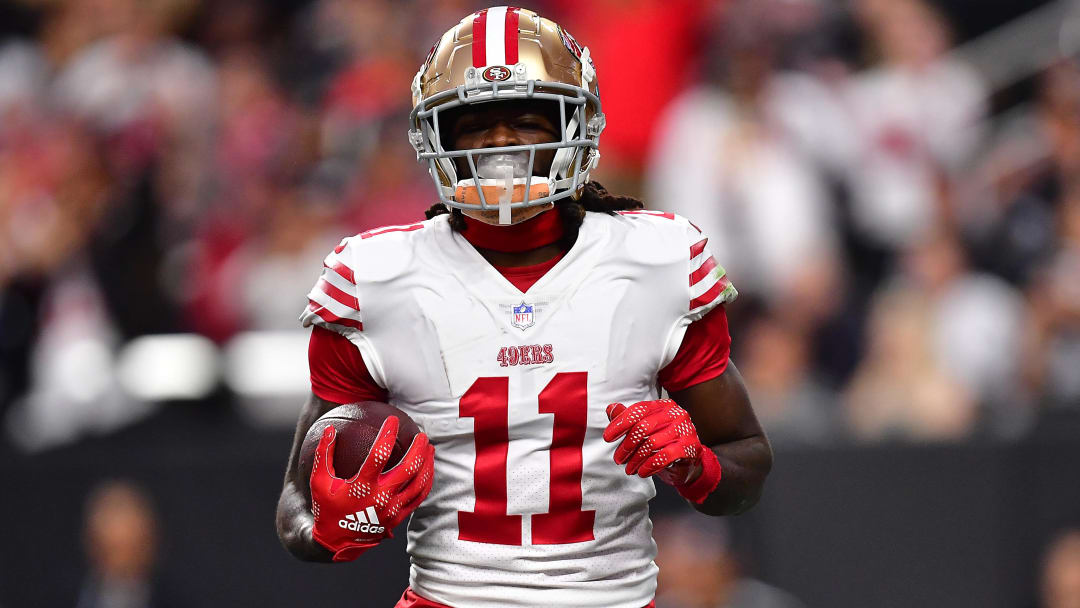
<point x="532" y="125"/>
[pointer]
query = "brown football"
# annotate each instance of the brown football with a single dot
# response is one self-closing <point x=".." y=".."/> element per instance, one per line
<point x="357" y="426"/>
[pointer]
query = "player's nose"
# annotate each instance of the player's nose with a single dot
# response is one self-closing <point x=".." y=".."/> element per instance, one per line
<point x="501" y="134"/>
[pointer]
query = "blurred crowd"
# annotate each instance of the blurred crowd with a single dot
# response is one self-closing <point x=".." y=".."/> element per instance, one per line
<point x="701" y="565"/>
<point x="908" y="264"/>
<point x="906" y="239"/>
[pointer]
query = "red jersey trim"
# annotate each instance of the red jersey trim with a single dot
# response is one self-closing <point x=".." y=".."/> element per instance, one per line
<point x="410" y="599"/>
<point x="385" y="229"/>
<point x="702" y="271"/>
<point x="663" y="214"/>
<point x="533" y="233"/>
<point x="338" y="372"/>
<point x="330" y="317"/>
<point x="708" y="296"/>
<point x="697" y="248"/>
<point x="338" y="295"/>
<point x="524" y="277"/>
<point x="343" y="270"/>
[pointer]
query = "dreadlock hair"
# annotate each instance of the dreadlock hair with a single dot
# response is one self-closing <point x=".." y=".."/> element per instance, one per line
<point x="594" y="197"/>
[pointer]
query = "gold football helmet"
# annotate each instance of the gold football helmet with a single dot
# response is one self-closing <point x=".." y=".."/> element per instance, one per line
<point x="507" y="53"/>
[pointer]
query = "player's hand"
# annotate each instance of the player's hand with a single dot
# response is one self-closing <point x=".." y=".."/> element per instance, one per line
<point x="353" y="515"/>
<point x="658" y="439"/>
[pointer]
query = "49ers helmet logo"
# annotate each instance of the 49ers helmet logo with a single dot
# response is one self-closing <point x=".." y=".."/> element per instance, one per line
<point x="496" y="72"/>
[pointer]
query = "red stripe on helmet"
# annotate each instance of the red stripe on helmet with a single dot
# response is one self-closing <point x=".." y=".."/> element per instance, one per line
<point x="479" y="39"/>
<point x="511" y="38"/>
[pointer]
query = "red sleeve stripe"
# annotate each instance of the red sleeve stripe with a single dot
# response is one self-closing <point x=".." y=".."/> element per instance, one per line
<point x="708" y="296"/>
<point x="342" y="310"/>
<point x="662" y="214"/>
<point x="703" y="271"/>
<point x="338" y="294"/>
<point x="343" y="270"/>
<point x="697" y="248"/>
<point x="479" y="39"/>
<point x="330" y="317"/>
<point x="335" y="279"/>
<point x="385" y="229"/>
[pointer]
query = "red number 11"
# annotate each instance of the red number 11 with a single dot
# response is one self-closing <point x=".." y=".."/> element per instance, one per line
<point x="487" y="402"/>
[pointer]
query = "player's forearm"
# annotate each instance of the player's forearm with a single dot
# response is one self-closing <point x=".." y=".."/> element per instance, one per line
<point x="294" y="518"/>
<point x="725" y="421"/>
<point x="744" y="464"/>
<point x="294" y="525"/>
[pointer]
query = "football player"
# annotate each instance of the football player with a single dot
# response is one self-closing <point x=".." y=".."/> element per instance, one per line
<point x="529" y="327"/>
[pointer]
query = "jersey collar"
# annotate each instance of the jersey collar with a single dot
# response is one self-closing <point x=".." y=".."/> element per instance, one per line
<point x="478" y="276"/>
<point x="533" y="233"/>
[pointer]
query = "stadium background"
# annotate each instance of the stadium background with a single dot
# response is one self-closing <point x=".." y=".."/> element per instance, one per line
<point x="894" y="184"/>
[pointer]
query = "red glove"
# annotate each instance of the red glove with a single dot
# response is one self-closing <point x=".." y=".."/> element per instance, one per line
<point x="351" y="516"/>
<point x="660" y="439"/>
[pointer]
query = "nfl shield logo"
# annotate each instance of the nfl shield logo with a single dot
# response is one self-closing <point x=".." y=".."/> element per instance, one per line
<point x="523" y="316"/>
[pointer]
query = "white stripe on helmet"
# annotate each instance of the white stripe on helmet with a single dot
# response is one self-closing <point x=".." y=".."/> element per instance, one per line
<point x="495" y="40"/>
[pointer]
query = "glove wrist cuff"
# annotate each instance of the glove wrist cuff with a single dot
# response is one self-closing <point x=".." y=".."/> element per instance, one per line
<point x="352" y="552"/>
<point x="343" y="553"/>
<point x="706" y="483"/>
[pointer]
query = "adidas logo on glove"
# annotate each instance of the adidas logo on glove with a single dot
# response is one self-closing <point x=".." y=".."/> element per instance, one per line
<point x="363" y="521"/>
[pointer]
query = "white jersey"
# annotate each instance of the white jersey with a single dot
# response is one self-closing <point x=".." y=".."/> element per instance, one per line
<point x="528" y="507"/>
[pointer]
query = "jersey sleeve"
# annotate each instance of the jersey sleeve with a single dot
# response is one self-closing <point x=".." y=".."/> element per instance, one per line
<point x="335" y="304"/>
<point x="707" y="287"/>
<point x="709" y="283"/>
<point x="338" y="372"/>
<point x="703" y="354"/>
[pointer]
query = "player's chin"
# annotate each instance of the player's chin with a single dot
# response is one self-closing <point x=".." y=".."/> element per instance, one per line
<point x="517" y="216"/>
